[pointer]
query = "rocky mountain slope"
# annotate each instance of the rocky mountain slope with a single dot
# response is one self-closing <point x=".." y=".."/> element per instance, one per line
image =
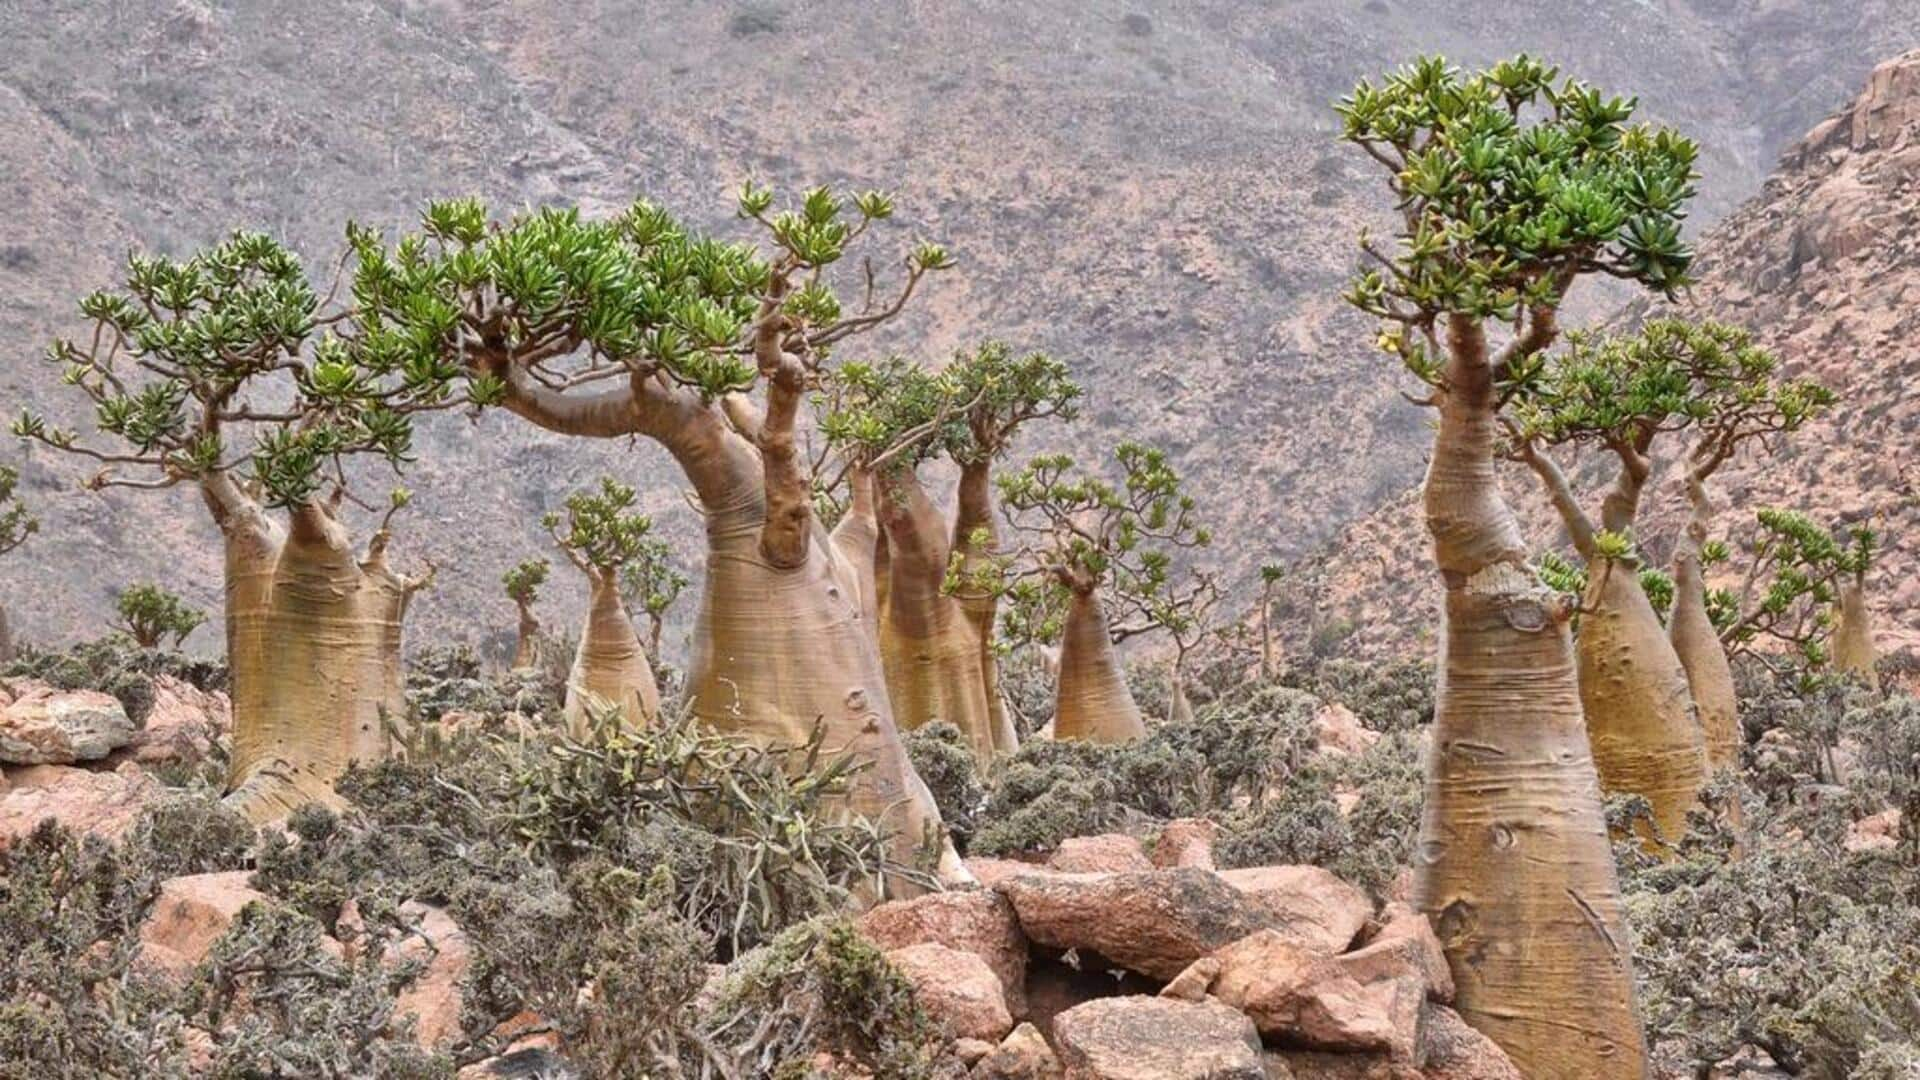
<point x="1824" y="267"/>
<point x="1150" y="191"/>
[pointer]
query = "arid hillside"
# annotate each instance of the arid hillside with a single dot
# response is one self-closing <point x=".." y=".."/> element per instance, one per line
<point x="1824" y="267"/>
<point x="1152" y="193"/>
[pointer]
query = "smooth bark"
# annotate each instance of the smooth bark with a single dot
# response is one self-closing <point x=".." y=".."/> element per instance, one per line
<point x="1697" y="643"/>
<point x="1854" y="652"/>
<point x="610" y="669"/>
<point x="936" y="661"/>
<point x="1091" y="698"/>
<point x="1642" y="726"/>
<point x="1514" y="864"/>
<point x="526" y="641"/>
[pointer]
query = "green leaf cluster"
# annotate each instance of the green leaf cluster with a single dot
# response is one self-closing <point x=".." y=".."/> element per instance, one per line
<point x="522" y="583"/>
<point x="601" y="528"/>
<point x="16" y="523"/>
<point x="150" y="614"/>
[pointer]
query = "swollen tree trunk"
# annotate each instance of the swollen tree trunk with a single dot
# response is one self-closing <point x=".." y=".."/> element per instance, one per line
<point x="1514" y="865"/>
<point x="1854" y="652"/>
<point x="6" y="637"/>
<point x="314" y="641"/>
<point x="929" y="646"/>
<point x="526" y="642"/>
<point x="1697" y="642"/>
<point x="976" y="538"/>
<point x="1641" y="724"/>
<point x="1179" y="706"/>
<point x="1091" y="700"/>
<point x="610" y="669"/>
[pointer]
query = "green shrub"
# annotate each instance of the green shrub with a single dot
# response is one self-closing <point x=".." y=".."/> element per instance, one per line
<point x="940" y="755"/>
<point x="116" y="666"/>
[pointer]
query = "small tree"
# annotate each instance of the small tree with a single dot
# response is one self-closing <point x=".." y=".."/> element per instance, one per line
<point x="227" y="372"/>
<point x="652" y="583"/>
<point x="1091" y="551"/>
<point x="522" y="585"/>
<point x="150" y="614"/>
<point x="602" y="537"/>
<point x="1509" y="186"/>
<point x="1271" y="574"/>
<point x="16" y="524"/>
<point x="1801" y="595"/>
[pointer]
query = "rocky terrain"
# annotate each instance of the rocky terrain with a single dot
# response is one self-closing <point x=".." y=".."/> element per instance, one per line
<point x="1824" y="267"/>
<point x="1152" y="193"/>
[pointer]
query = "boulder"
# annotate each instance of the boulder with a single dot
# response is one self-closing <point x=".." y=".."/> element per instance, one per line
<point x="1155" y="922"/>
<point x="1321" y="1065"/>
<point x="957" y="989"/>
<point x="44" y="726"/>
<point x="978" y="921"/>
<point x="102" y="804"/>
<point x="1308" y="905"/>
<point x="1875" y="832"/>
<point x="990" y="873"/>
<point x="1298" y="997"/>
<point x="1151" y="1038"/>
<point x="1023" y="1055"/>
<point x="1186" y="842"/>
<point x="434" y="998"/>
<point x="1405" y="947"/>
<point x="185" y="724"/>
<point x="1108" y="853"/>
<point x="1193" y="983"/>
<point x="1455" y="1051"/>
<point x="189" y="915"/>
<point x="1339" y="731"/>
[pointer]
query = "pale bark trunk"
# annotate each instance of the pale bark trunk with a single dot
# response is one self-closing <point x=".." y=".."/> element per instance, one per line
<point x="610" y="669"/>
<point x="1091" y="699"/>
<point x="1695" y="641"/>
<point x="1266" y="633"/>
<point x="929" y="647"/>
<point x="778" y="645"/>
<point x="6" y="637"/>
<point x="1854" y="652"/>
<point x="1179" y="706"/>
<point x="1514" y="864"/>
<point x="314" y="637"/>
<point x="975" y="536"/>
<point x="526" y="642"/>
<point x="1641" y="723"/>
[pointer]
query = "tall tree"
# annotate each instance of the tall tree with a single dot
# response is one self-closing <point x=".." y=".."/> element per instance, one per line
<point x="16" y="524"/>
<point x="1508" y="189"/>
<point x="225" y="371"/>
<point x="1092" y="550"/>
<point x="937" y="643"/>
<point x="1631" y="396"/>
<point x="1799" y="606"/>
<point x="634" y="325"/>
<point x="1737" y="399"/>
<point x="522" y="584"/>
<point x="602" y="538"/>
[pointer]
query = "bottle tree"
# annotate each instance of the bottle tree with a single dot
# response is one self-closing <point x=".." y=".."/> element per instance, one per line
<point x="937" y="643"/>
<point x="1185" y="615"/>
<point x="16" y="524"/>
<point x="1509" y="188"/>
<point x="522" y="585"/>
<point x="632" y="324"/>
<point x="1091" y="550"/>
<point x="1632" y="397"/>
<point x="150" y="615"/>
<point x="1799" y="608"/>
<point x="652" y="583"/>
<point x="1271" y="575"/>
<point x="1739" y="398"/>
<point x="225" y="372"/>
<point x="602" y="537"/>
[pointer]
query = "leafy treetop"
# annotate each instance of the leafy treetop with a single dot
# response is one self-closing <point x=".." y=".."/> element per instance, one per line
<point x="150" y="614"/>
<point x="554" y="299"/>
<point x="1620" y="391"/>
<point x="602" y="534"/>
<point x="1083" y="534"/>
<point x="235" y="337"/>
<point x="522" y="583"/>
<point x="1790" y="592"/>
<point x="1509" y="188"/>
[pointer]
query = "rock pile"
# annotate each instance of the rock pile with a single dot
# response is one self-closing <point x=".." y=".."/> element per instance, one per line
<point x="1283" y="971"/>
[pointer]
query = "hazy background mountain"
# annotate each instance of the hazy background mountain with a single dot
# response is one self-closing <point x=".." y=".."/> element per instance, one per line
<point x="1151" y="191"/>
